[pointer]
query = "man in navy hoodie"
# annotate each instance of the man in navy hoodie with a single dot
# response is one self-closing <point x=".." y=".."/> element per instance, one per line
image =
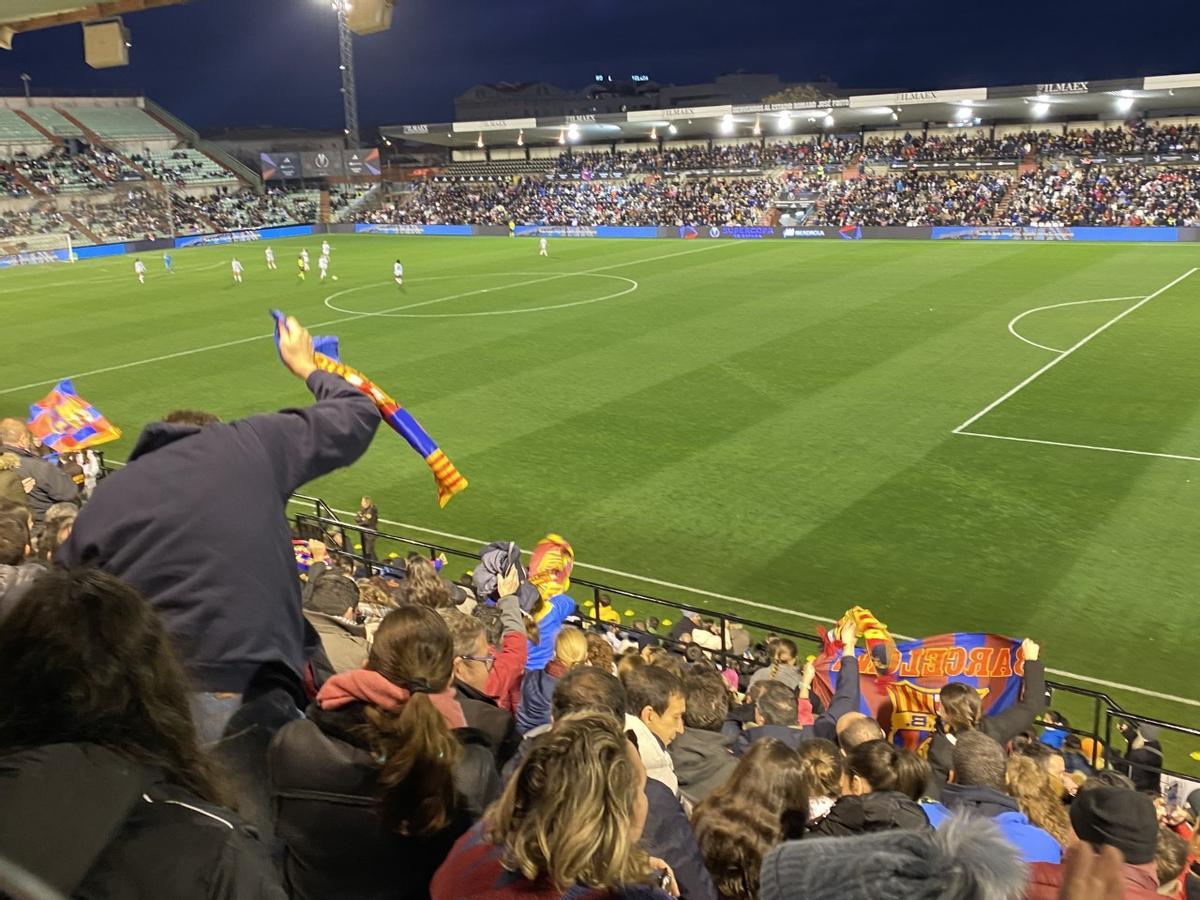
<point x="197" y="521"/>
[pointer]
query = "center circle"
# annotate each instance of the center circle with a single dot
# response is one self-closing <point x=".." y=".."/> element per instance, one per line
<point x="399" y="312"/>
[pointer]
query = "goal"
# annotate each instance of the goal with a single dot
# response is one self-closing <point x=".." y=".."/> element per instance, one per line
<point x="32" y="249"/>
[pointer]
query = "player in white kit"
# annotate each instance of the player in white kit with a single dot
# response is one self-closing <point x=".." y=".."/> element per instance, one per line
<point x="237" y="270"/>
<point x="304" y="258"/>
<point x="323" y="265"/>
<point x="542" y="248"/>
<point x="271" y="259"/>
<point x="324" y="248"/>
<point x="398" y="272"/>
<point x="140" y="268"/>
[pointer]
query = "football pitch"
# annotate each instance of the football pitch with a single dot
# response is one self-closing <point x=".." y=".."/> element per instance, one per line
<point x="961" y="437"/>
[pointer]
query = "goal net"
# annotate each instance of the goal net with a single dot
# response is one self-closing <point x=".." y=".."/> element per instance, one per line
<point x="32" y="249"/>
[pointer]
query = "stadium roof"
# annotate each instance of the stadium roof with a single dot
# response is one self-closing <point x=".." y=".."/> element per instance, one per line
<point x="30" y="15"/>
<point x="1157" y="96"/>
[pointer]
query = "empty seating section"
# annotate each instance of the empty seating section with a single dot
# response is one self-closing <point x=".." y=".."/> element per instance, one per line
<point x="184" y="166"/>
<point x="15" y="130"/>
<point x="54" y="122"/>
<point x="122" y="123"/>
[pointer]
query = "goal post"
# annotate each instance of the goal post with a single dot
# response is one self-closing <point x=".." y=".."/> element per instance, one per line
<point x="33" y="249"/>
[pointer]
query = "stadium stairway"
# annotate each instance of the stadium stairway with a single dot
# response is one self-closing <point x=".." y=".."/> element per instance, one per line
<point x="24" y="182"/>
<point x="39" y="127"/>
<point x="192" y="138"/>
<point x="96" y="141"/>
<point x="323" y="210"/>
<point x="83" y="229"/>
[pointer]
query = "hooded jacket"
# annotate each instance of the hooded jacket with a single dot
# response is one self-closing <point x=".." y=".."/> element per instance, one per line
<point x="536" y="690"/>
<point x="1036" y="844"/>
<point x="197" y="522"/>
<point x="703" y="762"/>
<point x="51" y="484"/>
<point x="94" y="824"/>
<point x="325" y="784"/>
<point x="877" y="811"/>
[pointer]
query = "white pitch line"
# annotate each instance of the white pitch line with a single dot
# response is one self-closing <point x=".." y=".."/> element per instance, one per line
<point x="1133" y="689"/>
<point x="1029" y="312"/>
<point x="1005" y="437"/>
<point x="1081" y="342"/>
<point x="258" y="337"/>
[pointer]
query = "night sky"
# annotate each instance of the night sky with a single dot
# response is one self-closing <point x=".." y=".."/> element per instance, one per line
<point x="221" y="63"/>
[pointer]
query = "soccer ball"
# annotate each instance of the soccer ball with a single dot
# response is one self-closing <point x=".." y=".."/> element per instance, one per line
<point x="335" y="278"/>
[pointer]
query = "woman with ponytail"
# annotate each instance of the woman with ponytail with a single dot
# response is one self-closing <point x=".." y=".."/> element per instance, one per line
<point x="783" y="668"/>
<point x="880" y="786"/>
<point x="373" y="788"/>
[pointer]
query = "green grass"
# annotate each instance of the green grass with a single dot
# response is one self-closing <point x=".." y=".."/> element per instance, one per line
<point x="771" y="421"/>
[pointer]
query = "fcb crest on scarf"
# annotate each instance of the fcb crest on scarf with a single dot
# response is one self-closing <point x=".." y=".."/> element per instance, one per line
<point x="65" y="422"/>
<point x="899" y="682"/>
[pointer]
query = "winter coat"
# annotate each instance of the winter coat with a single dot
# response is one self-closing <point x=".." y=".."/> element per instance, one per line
<point x="98" y="826"/>
<point x="703" y="762"/>
<point x="1001" y="727"/>
<point x="345" y="642"/>
<point x="197" y="522"/>
<point x="668" y="836"/>
<point x="504" y="681"/>
<point x="536" y="691"/>
<point x="1036" y="844"/>
<point x="51" y="484"/>
<point x="496" y="725"/>
<point x="789" y="675"/>
<point x="877" y="811"/>
<point x="1046" y="879"/>
<point x="474" y="871"/>
<point x="654" y="755"/>
<point x="12" y="488"/>
<point x="324" y="781"/>
<point x="845" y="699"/>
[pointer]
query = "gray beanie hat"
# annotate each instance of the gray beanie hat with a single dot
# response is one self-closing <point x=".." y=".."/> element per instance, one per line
<point x="966" y="859"/>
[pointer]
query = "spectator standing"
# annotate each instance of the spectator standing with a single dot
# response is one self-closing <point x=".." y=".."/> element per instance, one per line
<point x="50" y="483"/>
<point x="367" y="517"/>
<point x="1143" y="757"/>
<point x="977" y="786"/>
<point x="213" y="552"/>
<point x="550" y="568"/>
<point x="12" y="485"/>
<point x="384" y="775"/>
<point x="760" y="806"/>
<point x="568" y="824"/>
<point x="960" y="710"/>
<point x="701" y="754"/>
<point x="95" y="736"/>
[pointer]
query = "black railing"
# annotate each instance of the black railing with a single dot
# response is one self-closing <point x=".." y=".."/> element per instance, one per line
<point x="1105" y="712"/>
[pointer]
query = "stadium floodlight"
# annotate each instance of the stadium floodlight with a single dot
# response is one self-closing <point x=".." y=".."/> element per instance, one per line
<point x="479" y="141"/>
<point x="572" y="133"/>
<point x="654" y="134"/>
<point x="828" y="120"/>
<point x="727" y="124"/>
<point x="521" y="138"/>
<point x="341" y="9"/>
<point x="757" y="130"/>
<point x="672" y="129"/>
<point x="562" y="136"/>
<point x="1124" y="104"/>
<point x="1040" y="109"/>
<point x="785" y="121"/>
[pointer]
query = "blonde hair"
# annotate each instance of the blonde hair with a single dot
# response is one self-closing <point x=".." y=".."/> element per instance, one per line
<point x="567" y="813"/>
<point x="1037" y="796"/>
<point x="571" y="647"/>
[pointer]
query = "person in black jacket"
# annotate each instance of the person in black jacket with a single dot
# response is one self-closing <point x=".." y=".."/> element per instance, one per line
<point x="367" y="517"/>
<point x="50" y="483"/>
<point x="1143" y="758"/>
<point x="881" y="784"/>
<point x="372" y="789"/>
<point x="960" y="708"/>
<point x="104" y="788"/>
<point x="197" y="521"/>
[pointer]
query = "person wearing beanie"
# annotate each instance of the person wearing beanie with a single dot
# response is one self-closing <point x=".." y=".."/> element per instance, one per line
<point x="1116" y="817"/>
<point x="966" y="859"/>
<point x="329" y="603"/>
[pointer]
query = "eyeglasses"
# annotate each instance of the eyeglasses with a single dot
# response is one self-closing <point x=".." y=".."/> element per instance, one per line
<point x="489" y="660"/>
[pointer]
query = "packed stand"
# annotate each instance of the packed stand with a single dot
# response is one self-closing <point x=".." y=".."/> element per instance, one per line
<point x="1136" y="137"/>
<point x="1107" y="195"/>
<point x="915" y="198"/>
<point x="385" y="732"/>
<point x="948" y="148"/>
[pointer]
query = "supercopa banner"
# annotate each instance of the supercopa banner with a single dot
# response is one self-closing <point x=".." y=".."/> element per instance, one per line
<point x="901" y="689"/>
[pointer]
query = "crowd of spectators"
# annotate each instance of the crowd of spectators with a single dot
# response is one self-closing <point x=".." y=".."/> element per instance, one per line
<point x="914" y="198"/>
<point x="227" y="210"/>
<point x="181" y="168"/>
<point x="127" y="214"/>
<point x="211" y="712"/>
<point x="1107" y="195"/>
<point x="715" y="201"/>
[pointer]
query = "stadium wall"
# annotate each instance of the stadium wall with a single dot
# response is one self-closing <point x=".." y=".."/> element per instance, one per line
<point x="686" y="232"/>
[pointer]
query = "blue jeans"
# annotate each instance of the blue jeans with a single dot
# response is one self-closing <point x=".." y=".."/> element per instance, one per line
<point x="211" y="713"/>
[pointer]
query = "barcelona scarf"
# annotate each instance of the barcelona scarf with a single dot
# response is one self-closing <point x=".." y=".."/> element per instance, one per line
<point x="899" y="685"/>
<point x="65" y="422"/>
<point x="449" y="481"/>
<point x="550" y="566"/>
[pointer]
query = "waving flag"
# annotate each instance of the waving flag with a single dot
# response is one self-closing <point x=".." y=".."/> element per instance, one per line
<point x="903" y="696"/>
<point x="449" y="481"/>
<point x="65" y="422"/>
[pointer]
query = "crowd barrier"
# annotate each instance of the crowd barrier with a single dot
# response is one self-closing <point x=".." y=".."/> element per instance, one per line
<point x="1076" y="234"/>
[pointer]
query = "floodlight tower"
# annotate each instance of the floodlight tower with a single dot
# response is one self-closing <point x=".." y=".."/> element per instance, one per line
<point x="346" y="54"/>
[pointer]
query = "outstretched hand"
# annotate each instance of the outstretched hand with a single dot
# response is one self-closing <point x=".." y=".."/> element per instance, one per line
<point x="296" y="348"/>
